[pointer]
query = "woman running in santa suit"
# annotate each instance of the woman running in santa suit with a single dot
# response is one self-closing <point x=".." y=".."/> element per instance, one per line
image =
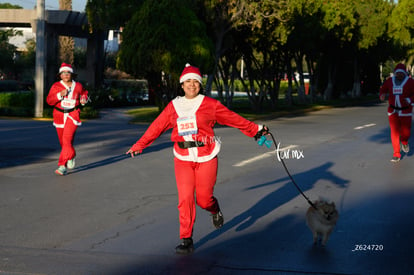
<point x="192" y="118"/>
<point x="66" y="96"/>
<point x="400" y="89"/>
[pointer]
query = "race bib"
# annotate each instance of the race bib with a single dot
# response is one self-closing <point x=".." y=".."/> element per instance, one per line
<point x="187" y="126"/>
<point x="68" y="103"/>
<point x="397" y="90"/>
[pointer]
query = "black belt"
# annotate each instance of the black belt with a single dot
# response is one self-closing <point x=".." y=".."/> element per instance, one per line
<point x="67" y="110"/>
<point x="399" y="108"/>
<point x="189" y="144"/>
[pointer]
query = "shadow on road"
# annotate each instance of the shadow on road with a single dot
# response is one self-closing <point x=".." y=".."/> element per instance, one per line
<point x="384" y="137"/>
<point x="100" y="163"/>
<point x="277" y="198"/>
<point x="284" y="246"/>
<point x="119" y="157"/>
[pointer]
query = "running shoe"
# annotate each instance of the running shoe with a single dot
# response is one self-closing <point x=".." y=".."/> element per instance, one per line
<point x="71" y="163"/>
<point x="395" y="159"/>
<point x="405" y="148"/>
<point x="61" y="171"/>
<point x="186" y="246"/>
<point x="218" y="219"/>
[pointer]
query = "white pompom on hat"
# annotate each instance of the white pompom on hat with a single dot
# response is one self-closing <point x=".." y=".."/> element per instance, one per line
<point x="65" y="68"/>
<point x="191" y="72"/>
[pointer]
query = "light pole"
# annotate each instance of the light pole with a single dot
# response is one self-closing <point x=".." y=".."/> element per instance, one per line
<point x="40" y="57"/>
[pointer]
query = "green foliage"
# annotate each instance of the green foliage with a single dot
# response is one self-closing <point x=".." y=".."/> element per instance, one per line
<point x="340" y="19"/>
<point x="304" y="27"/>
<point x="102" y="98"/>
<point x="24" y="64"/>
<point x="22" y="104"/>
<point x="243" y="108"/>
<point x="340" y="42"/>
<point x="401" y="27"/>
<point x="110" y="14"/>
<point x="7" y="50"/>
<point x="17" y="99"/>
<point x="402" y="21"/>
<point x="9" y="6"/>
<point x="110" y="60"/>
<point x="371" y="18"/>
<point x="158" y="40"/>
<point x="17" y="103"/>
<point x="89" y="112"/>
<point x="79" y="57"/>
<point x="144" y="115"/>
<point x="335" y="40"/>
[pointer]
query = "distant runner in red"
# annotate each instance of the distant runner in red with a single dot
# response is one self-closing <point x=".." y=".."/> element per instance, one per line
<point x="66" y="96"/>
<point x="400" y="88"/>
<point x="192" y="118"/>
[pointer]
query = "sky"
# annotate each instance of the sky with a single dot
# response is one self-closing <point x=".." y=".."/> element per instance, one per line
<point x="77" y="5"/>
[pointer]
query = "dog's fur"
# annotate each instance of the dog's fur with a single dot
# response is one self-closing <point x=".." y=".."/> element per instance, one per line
<point x="322" y="220"/>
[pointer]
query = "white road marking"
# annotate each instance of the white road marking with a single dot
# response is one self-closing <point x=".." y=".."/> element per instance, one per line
<point x="262" y="156"/>
<point x="364" y="126"/>
<point x="269" y="154"/>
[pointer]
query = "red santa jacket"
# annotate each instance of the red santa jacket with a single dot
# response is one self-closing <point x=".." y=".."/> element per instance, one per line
<point x="193" y="120"/>
<point x="67" y="106"/>
<point x="401" y="97"/>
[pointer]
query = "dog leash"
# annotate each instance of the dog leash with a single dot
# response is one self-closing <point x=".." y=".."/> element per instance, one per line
<point x="263" y="140"/>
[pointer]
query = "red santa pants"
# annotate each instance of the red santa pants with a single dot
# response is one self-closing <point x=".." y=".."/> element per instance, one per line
<point x="195" y="183"/>
<point x="400" y="131"/>
<point x="66" y="136"/>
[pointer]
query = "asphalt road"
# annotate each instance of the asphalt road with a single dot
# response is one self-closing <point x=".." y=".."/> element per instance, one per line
<point x="118" y="215"/>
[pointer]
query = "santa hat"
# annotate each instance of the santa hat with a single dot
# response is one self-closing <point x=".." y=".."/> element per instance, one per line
<point x="400" y="68"/>
<point x="65" y="68"/>
<point x="190" y="72"/>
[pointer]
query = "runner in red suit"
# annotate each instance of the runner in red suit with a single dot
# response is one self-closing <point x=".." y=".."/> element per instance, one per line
<point x="192" y="118"/>
<point x="400" y="89"/>
<point x="66" y="96"/>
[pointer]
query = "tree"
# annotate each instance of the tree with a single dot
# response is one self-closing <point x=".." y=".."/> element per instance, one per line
<point x="159" y="40"/>
<point x="111" y="14"/>
<point x="340" y="43"/>
<point x="401" y="27"/>
<point x="302" y="26"/>
<point x="367" y="34"/>
<point x="7" y="51"/>
<point x="257" y="38"/>
<point x="25" y="63"/>
<point x="222" y="19"/>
